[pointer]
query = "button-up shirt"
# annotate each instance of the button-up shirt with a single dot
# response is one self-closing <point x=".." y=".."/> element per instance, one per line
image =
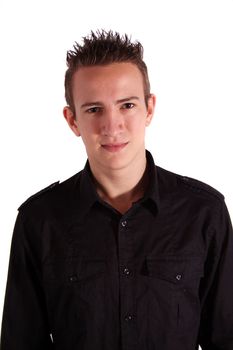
<point x="83" y="276"/>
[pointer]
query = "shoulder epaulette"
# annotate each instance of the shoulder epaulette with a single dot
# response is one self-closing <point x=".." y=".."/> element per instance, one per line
<point x="199" y="186"/>
<point x="44" y="190"/>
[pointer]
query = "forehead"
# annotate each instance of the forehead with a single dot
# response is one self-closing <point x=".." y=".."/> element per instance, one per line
<point x="108" y="79"/>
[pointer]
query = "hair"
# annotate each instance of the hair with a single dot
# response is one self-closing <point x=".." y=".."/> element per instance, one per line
<point x="103" y="48"/>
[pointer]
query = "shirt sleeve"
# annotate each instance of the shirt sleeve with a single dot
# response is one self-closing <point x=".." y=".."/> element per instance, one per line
<point x="216" y="331"/>
<point x="25" y="323"/>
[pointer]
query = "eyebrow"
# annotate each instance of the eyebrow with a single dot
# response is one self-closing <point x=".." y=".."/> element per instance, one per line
<point x="88" y="104"/>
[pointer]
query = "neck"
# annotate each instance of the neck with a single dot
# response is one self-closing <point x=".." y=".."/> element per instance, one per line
<point x="121" y="187"/>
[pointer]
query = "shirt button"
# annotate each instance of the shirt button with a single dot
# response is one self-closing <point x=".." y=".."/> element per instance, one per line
<point x="178" y="277"/>
<point x="128" y="318"/>
<point x="124" y="223"/>
<point x="73" y="278"/>
<point x="126" y="271"/>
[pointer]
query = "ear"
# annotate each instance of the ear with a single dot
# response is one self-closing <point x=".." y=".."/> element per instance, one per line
<point x="150" y="108"/>
<point x="71" y="120"/>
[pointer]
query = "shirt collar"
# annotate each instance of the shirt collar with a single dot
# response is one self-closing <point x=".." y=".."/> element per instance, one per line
<point x="152" y="191"/>
<point x="89" y="195"/>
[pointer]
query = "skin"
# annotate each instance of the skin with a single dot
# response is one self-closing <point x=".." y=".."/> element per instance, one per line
<point x="111" y="117"/>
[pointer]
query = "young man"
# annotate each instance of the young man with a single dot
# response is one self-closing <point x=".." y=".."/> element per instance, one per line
<point x="124" y="254"/>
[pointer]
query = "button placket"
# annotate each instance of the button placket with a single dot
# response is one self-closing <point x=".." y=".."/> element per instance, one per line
<point x="125" y="231"/>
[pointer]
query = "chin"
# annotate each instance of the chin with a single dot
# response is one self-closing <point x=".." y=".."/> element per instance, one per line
<point x="116" y="164"/>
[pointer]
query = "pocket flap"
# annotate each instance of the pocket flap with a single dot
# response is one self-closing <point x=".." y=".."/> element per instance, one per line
<point x="175" y="269"/>
<point x="89" y="268"/>
<point x="73" y="269"/>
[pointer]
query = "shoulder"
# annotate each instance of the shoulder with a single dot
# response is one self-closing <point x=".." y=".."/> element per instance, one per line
<point x="39" y="194"/>
<point x="53" y="195"/>
<point x="200" y="187"/>
<point x="184" y="184"/>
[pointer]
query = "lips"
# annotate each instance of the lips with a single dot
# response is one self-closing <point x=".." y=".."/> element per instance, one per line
<point x="114" y="147"/>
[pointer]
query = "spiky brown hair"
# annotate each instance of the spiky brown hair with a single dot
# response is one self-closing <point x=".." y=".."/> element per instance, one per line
<point x="102" y="48"/>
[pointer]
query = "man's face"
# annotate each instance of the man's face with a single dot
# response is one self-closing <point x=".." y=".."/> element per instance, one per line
<point x="111" y="114"/>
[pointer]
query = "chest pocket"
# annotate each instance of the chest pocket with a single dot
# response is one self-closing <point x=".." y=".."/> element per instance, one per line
<point x="173" y="286"/>
<point x="74" y="277"/>
<point x="73" y="286"/>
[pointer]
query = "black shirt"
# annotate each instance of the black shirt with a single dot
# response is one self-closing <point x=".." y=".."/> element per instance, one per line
<point x="82" y="276"/>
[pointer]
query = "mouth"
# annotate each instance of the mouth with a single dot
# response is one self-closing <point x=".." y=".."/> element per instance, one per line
<point x="114" y="147"/>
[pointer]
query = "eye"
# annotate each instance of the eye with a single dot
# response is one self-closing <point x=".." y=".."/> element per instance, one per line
<point x="128" y="105"/>
<point x="93" y="110"/>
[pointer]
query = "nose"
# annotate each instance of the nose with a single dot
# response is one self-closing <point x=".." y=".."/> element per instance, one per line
<point x="112" y="123"/>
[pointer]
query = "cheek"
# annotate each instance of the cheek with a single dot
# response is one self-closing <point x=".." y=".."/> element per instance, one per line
<point x="88" y="128"/>
<point x="89" y="134"/>
<point x="137" y="125"/>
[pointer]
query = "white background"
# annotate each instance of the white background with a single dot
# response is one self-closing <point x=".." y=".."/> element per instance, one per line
<point x="188" y="50"/>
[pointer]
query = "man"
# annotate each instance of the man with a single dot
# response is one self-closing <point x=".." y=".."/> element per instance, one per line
<point x="124" y="254"/>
